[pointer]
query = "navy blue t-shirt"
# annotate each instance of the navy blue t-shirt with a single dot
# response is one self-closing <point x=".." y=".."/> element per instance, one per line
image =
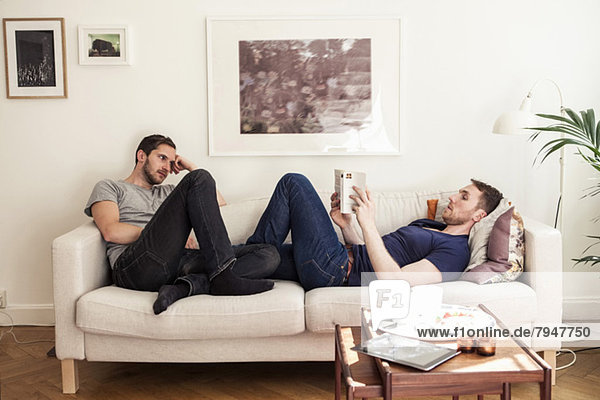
<point x="449" y="253"/>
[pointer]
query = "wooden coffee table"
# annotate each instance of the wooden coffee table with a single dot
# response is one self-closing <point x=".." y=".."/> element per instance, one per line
<point x="466" y="374"/>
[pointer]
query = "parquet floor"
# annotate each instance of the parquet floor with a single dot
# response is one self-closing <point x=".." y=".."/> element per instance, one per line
<point x="27" y="373"/>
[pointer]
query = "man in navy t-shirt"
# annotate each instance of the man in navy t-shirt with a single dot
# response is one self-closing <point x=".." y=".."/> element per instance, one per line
<point x="421" y="240"/>
<point x="424" y="252"/>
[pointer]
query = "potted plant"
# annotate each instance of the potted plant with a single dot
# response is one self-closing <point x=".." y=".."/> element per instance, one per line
<point x="580" y="132"/>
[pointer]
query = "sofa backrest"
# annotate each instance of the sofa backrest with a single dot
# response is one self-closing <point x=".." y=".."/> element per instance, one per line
<point x="394" y="209"/>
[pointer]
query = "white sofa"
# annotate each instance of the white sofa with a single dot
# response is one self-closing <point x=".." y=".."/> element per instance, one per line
<point x="100" y="322"/>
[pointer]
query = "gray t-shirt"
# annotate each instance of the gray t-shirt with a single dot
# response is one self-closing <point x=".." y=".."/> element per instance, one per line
<point x="136" y="206"/>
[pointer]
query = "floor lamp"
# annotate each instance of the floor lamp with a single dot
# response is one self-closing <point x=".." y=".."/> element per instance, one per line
<point x="514" y="123"/>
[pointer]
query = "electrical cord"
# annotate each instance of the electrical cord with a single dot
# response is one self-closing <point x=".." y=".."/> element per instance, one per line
<point x="569" y="364"/>
<point x="574" y="355"/>
<point x="560" y="352"/>
<point x="11" y="333"/>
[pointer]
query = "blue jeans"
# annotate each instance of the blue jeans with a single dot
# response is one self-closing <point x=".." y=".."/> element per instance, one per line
<point x="315" y="258"/>
<point x="158" y="256"/>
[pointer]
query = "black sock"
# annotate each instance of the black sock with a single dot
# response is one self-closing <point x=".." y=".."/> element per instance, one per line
<point x="169" y="294"/>
<point x="229" y="284"/>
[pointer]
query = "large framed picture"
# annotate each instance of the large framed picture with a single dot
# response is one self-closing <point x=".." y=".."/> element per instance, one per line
<point x="104" y="45"/>
<point x="304" y="86"/>
<point x="34" y="55"/>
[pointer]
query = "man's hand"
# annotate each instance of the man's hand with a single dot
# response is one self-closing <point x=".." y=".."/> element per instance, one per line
<point x="344" y="221"/>
<point x="182" y="163"/>
<point x="364" y="208"/>
<point x="341" y="220"/>
<point x="192" y="243"/>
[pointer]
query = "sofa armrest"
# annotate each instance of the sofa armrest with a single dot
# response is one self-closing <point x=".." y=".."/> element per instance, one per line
<point x="543" y="247"/>
<point x="544" y="270"/>
<point x="79" y="265"/>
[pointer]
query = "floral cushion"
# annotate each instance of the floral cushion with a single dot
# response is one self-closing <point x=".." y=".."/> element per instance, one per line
<point x="504" y="251"/>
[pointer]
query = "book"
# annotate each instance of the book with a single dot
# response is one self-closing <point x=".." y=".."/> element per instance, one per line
<point x="344" y="180"/>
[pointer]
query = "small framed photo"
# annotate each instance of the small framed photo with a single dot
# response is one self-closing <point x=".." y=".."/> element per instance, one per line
<point x="104" y="45"/>
<point x="34" y="53"/>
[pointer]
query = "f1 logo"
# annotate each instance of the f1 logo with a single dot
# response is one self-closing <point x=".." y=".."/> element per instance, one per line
<point x="388" y="299"/>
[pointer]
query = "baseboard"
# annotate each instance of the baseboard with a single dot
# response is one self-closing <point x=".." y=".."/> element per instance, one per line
<point x="581" y="309"/>
<point x="29" y="314"/>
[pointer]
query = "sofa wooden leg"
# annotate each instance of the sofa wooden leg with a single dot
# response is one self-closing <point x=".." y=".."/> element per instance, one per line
<point x="550" y="358"/>
<point x="70" y="376"/>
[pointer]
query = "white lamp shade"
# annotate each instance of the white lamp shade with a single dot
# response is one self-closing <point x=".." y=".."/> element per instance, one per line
<point x="514" y="122"/>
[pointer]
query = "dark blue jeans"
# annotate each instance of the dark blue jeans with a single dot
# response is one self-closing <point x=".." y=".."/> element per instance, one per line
<point x="158" y="256"/>
<point x="315" y="258"/>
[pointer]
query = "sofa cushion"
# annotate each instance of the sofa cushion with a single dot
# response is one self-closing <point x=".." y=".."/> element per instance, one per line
<point x="505" y="251"/>
<point x="326" y="307"/>
<point x="116" y="311"/>
<point x="241" y="218"/>
<point x="480" y="234"/>
<point x="512" y="302"/>
<point x="394" y="209"/>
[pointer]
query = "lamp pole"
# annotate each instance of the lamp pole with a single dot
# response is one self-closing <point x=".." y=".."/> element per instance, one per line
<point x="514" y="122"/>
<point x="558" y="219"/>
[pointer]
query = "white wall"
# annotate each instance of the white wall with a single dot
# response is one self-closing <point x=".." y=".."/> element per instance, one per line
<point x="466" y="61"/>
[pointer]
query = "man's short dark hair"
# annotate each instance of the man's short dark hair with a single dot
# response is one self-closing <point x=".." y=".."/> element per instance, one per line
<point x="490" y="196"/>
<point x="151" y="142"/>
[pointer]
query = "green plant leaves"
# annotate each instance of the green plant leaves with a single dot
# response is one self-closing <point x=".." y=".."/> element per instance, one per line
<point x="575" y="117"/>
<point x="580" y="132"/>
<point x="588" y="259"/>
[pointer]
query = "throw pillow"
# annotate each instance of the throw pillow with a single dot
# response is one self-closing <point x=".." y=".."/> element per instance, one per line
<point x="480" y="235"/>
<point x="431" y="208"/>
<point x="505" y="251"/>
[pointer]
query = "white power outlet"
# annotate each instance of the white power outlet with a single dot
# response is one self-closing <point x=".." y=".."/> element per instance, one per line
<point x="2" y="298"/>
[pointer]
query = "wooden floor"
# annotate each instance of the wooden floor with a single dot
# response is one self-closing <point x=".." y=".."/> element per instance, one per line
<point x="27" y="373"/>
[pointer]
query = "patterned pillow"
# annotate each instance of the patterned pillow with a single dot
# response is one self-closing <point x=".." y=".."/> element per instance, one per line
<point x="505" y="251"/>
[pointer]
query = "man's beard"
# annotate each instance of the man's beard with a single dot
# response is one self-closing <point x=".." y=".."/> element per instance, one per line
<point x="148" y="174"/>
<point x="455" y="219"/>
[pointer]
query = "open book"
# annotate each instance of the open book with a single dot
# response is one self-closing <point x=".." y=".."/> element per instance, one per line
<point x="344" y="180"/>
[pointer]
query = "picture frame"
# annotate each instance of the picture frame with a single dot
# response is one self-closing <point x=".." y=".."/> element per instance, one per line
<point x="104" y="45"/>
<point x="35" y="58"/>
<point x="304" y="86"/>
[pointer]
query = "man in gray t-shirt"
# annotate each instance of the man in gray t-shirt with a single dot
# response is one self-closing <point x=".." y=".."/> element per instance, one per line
<point x="137" y="206"/>
<point x="147" y="228"/>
